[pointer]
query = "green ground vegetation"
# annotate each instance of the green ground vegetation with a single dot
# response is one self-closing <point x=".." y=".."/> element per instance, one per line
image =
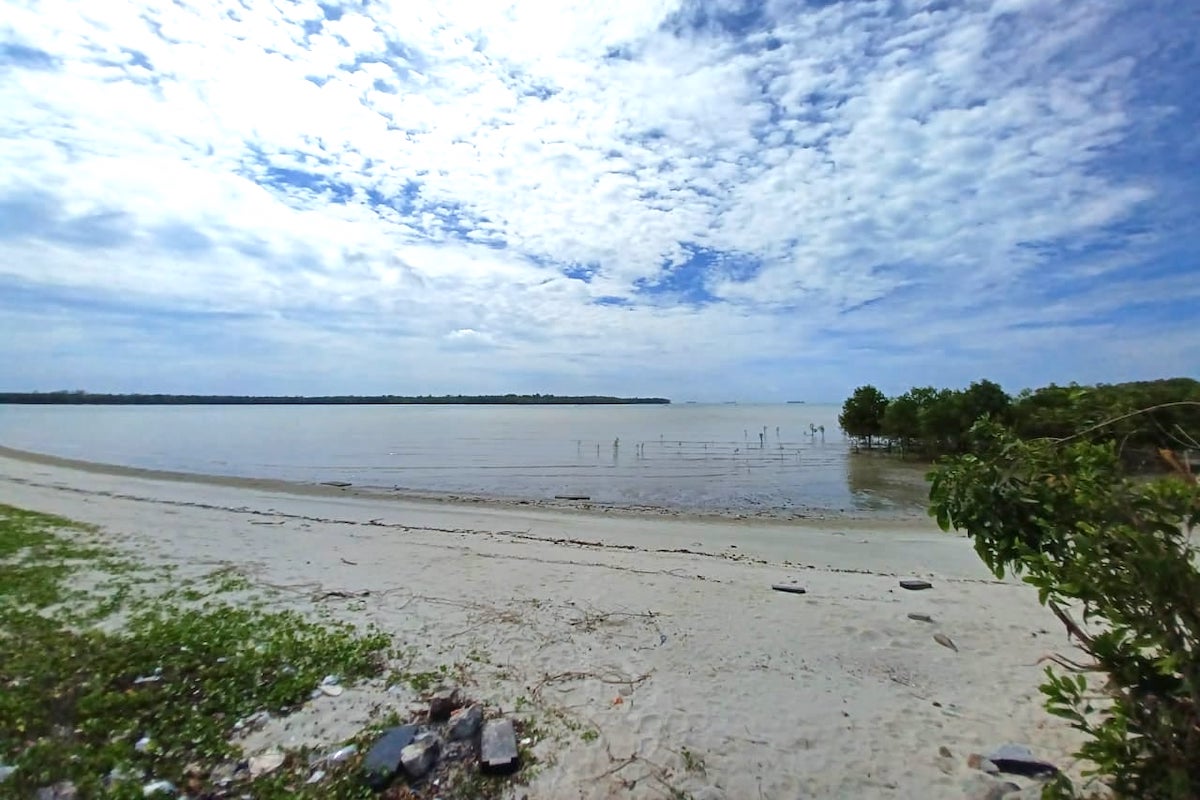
<point x="109" y="684"/>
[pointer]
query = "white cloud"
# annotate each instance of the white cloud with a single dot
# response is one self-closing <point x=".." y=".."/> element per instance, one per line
<point x="880" y="167"/>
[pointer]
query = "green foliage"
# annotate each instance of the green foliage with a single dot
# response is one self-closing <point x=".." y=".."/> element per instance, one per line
<point x="77" y="698"/>
<point x="1061" y="411"/>
<point x="1067" y="517"/>
<point x="862" y="413"/>
<point x="1140" y="416"/>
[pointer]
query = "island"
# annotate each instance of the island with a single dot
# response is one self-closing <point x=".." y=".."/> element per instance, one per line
<point x="99" y="399"/>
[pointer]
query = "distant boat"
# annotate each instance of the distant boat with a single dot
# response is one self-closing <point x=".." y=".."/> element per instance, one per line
<point x="795" y="402"/>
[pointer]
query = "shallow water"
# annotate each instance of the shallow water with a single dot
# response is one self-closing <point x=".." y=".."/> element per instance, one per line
<point x="689" y="457"/>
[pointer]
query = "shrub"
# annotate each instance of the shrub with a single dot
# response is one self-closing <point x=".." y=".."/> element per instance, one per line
<point x="1093" y="540"/>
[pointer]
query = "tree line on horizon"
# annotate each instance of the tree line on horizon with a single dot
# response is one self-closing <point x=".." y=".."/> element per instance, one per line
<point x="933" y="422"/>
<point x="79" y="397"/>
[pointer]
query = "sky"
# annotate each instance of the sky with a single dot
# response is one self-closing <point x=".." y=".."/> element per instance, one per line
<point x="700" y="200"/>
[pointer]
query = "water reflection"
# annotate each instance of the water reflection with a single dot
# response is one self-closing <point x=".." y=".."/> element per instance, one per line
<point x="885" y="481"/>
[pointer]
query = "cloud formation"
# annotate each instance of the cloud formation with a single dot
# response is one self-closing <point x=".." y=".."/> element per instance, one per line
<point x="697" y="199"/>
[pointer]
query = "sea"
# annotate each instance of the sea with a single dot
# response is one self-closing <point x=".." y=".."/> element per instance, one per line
<point x="785" y="459"/>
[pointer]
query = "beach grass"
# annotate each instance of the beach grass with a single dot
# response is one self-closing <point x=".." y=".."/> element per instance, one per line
<point x="109" y="681"/>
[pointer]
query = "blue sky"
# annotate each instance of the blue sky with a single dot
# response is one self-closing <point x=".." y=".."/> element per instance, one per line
<point x="703" y="200"/>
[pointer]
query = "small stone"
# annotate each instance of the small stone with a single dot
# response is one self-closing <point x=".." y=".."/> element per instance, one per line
<point x="419" y="757"/>
<point x="498" y="746"/>
<point x="976" y="761"/>
<point x="331" y="689"/>
<point x="342" y="754"/>
<point x="1014" y="751"/>
<point x="945" y="641"/>
<point x="915" y="585"/>
<point x="442" y="704"/>
<point x="142" y="744"/>
<point x="316" y="777"/>
<point x="944" y="752"/>
<point x="223" y="774"/>
<point x="1017" y="759"/>
<point x="266" y="763"/>
<point x="382" y="761"/>
<point x="158" y="787"/>
<point x="465" y="722"/>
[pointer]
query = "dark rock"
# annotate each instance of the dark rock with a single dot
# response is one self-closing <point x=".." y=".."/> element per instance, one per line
<point x="920" y="617"/>
<point x="419" y="757"/>
<point x="1016" y="759"/>
<point x="915" y="585"/>
<point x="788" y="587"/>
<point x="498" y="746"/>
<point x="442" y="704"/>
<point x="382" y="761"/>
<point x="465" y="722"/>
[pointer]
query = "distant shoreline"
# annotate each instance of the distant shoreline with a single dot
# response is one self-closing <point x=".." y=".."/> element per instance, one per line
<point x="90" y="399"/>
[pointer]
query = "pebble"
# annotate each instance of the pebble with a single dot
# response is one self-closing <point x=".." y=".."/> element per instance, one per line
<point x="265" y="763"/>
<point x="465" y="722"/>
<point x="223" y="774"/>
<point x="976" y="761"/>
<point x="1017" y="759"/>
<point x="342" y="754"/>
<point x="915" y="585"/>
<point x="945" y="641"/>
<point x="331" y="689"/>
<point x="442" y="704"/>
<point x="419" y="757"/>
<point x="142" y="744"/>
<point x="316" y="777"/>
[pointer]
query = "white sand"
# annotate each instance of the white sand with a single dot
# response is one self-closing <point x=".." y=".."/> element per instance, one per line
<point x="826" y="695"/>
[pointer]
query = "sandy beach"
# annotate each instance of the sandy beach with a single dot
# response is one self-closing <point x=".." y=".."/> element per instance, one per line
<point x="660" y="633"/>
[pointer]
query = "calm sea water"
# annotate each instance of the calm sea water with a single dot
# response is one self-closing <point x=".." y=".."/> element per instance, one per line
<point x="694" y="457"/>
